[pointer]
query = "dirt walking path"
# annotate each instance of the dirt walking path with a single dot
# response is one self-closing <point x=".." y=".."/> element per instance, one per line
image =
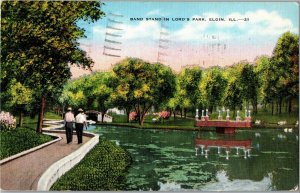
<point x="24" y="172"/>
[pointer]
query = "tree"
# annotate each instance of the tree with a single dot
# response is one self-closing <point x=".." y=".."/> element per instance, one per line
<point x="234" y="96"/>
<point x="172" y="105"/>
<point x="143" y="84"/>
<point x="19" y="98"/>
<point x="233" y="93"/>
<point x="39" y="41"/>
<point x="89" y="92"/>
<point x="188" y="82"/>
<point x="250" y="85"/>
<point x="102" y="91"/>
<point x="261" y="68"/>
<point x="286" y="60"/>
<point x="271" y="86"/>
<point x="213" y="87"/>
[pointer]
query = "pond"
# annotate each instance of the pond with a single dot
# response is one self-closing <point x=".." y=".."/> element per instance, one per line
<point x="176" y="160"/>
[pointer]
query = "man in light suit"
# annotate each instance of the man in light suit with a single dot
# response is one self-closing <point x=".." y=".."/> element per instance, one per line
<point x="69" y="121"/>
<point x="80" y="122"/>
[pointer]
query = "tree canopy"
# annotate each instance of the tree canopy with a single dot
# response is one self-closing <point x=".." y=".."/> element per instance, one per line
<point x="143" y="84"/>
<point x="213" y="87"/>
<point x="39" y="42"/>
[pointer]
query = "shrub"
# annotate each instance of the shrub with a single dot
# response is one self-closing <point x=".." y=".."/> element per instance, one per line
<point x="133" y="116"/>
<point x="103" y="168"/>
<point x="18" y="140"/>
<point x="7" y="121"/>
<point x="164" y="114"/>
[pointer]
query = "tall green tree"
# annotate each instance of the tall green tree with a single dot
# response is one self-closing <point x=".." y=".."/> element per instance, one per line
<point x="91" y="92"/>
<point x="189" y="82"/>
<point x="74" y="94"/>
<point x="286" y="60"/>
<point x="261" y="68"/>
<point x="39" y="42"/>
<point x="233" y="94"/>
<point x="271" y="85"/>
<point x="250" y="85"/>
<point x="102" y="91"/>
<point x="19" y="98"/>
<point x="121" y="98"/>
<point x="213" y="87"/>
<point x="143" y="84"/>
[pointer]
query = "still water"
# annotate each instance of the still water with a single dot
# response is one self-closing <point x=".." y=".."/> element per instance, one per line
<point x="176" y="160"/>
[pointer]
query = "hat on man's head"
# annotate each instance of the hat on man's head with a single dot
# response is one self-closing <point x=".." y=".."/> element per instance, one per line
<point x="69" y="109"/>
<point x="80" y="110"/>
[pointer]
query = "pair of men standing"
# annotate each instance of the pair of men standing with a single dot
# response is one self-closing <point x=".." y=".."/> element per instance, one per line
<point x="80" y="121"/>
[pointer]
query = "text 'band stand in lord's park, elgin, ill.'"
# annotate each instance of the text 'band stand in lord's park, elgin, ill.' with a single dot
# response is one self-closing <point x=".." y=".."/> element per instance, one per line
<point x="226" y="126"/>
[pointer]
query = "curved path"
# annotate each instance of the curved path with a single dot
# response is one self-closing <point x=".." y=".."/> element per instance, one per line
<point x="24" y="172"/>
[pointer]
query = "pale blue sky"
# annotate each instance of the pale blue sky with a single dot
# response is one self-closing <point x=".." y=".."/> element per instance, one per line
<point x="191" y="42"/>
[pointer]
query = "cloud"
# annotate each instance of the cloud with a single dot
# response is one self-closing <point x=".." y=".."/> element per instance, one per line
<point x="98" y="30"/>
<point x="267" y="23"/>
<point x="157" y="12"/>
<point x="154" y="12"/>
<point x="144" y="29"/>
<point x="191" y="30"/>
<point x="261" y="23"/>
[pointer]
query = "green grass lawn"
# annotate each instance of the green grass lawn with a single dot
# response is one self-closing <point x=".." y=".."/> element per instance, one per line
<point x="32" y="123"/>
<point x="20" y="139"/>
<point x="266" y="117"/>
<point x="179" y="122"/>
<point x="102" y="169"/>
<point x="51" y="115"/>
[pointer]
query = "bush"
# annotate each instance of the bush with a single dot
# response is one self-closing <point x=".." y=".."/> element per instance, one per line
<point x="18" y="140"/>
<point x="7" y="121"/>
<point x="164" y="114"/>
<point x="103" y="168"/>
<point x="133" y="116"/>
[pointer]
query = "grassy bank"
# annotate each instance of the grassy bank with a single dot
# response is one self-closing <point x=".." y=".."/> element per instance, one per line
<point x="24" y="138"/>
<point x="20" y="139"/>
<point x="32" y="123"/>
<point x="103" y="168"/>
<point x="267" y="120"/>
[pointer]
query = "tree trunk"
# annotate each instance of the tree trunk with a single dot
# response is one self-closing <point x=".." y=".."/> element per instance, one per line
<point x="184" y="110"/>
<point x="233" y="112"/>
<point x="280" y="105"/>
<point x="127" y="114"/>
<point x="254" y="105"/>
<point x="63" y="112"/>
<point x="102" y="117"/>
<point x="141" y="119"/>
<point x="20" y="124"/>
<point x="143" y="109"/>
<point x="290" y="105"/>
<point x="174" y="114"/>
<point x="272" y="107"/>
<point x="210" y="109"/>
<point x="41" y="115"/>
<point x="181" y="113"/>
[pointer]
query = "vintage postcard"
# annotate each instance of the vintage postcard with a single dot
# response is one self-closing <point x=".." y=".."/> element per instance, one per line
<point x="149" y="96"/>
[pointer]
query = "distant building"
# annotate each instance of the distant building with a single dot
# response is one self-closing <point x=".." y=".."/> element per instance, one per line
<point x="116" y="111"/>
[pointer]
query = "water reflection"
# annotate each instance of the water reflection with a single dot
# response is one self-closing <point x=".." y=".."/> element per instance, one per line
<point x="225" y="145"/>
<point x="225" y="184"/>
<point x="165" y="160"/>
